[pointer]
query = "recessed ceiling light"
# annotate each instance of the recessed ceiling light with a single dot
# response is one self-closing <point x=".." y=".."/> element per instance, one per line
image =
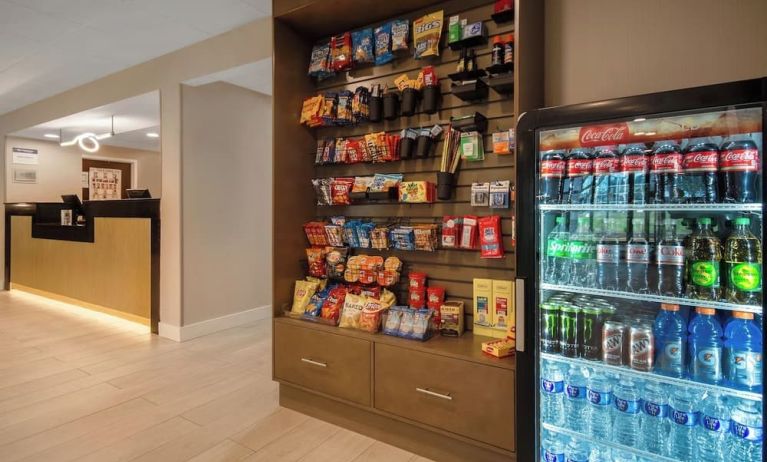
<point x="639" y="119"/>
<point x="153" y="135"/>
<point x="51" y="135"/>
<point x="650" y="133"/>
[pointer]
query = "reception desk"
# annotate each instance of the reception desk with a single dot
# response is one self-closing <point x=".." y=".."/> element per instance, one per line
<point x="110" y="262"/>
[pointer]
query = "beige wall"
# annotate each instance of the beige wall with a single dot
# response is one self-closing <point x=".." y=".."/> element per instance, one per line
<point x="243" y="45"/>
<point x="227" y="203"/>
<point x="58" y="171"/>
<point x="599" y="49"/>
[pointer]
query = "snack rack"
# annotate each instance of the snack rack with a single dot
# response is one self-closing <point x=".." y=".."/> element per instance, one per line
<point x="465" y="430"/>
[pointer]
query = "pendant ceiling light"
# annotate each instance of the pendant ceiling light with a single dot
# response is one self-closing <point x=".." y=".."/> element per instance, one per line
<point x="88" y="142"/>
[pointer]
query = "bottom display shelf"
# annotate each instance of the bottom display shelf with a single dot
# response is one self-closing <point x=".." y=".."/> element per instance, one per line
<point x="609" y="444"/>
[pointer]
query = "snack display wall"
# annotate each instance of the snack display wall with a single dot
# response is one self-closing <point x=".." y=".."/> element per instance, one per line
<point x="443" y="233"/>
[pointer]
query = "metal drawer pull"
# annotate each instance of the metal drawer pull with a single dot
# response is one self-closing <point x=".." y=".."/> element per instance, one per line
<point x="314" y="363"/>
<point x="434" y="394"/>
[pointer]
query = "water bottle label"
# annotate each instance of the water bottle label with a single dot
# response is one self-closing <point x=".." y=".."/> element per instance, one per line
<point x="574" y="392"/>
<point x="667" y="162"/>
<point x="713" y="424"/>
<point x="599" y="398"/>
<point x="655" y="409"/>
<point x="556" y="248"/>
<point x="627" y="406"/>
<point x="552" y="387"/>
<point x="638" y="253"/>
<point x="739" y="160"/>
<point x="701" y="161"/>
<point x="705" y="273"/>
<point x="549" y="456"/>
<point x="708" y="363"/>
<point x="606" y="165"/>
<point x="575" y="458"/>
<point x="746" y="368"/>
<point x="608" y="253"/>
<point x="747" y="277"/>
<point x="553" y="168"/>
<point x="747" y="433"/>
<point x="580" y="250"/>
<point x="579" y="167"/>
<point x="636" y="163"/>
<point x="671" y="255"/>
<point x="688" y="419"/>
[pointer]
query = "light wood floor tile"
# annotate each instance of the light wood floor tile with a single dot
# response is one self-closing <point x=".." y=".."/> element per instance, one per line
<point x="382" y="452"/>
<point x="344" y="446"/>
<point x="225" y="451"/>
<point x="297" y="443"/>
<point x="270" y="428"/>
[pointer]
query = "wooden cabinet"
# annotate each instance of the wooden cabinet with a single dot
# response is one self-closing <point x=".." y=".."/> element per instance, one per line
<point x="336" y="365"/>
<point x="462" y="397"/>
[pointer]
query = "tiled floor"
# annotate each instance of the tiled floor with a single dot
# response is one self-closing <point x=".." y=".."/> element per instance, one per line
<point x="87" y="387"/>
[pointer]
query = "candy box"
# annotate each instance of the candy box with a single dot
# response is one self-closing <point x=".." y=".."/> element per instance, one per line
<point x="499" y="348"/>
<point x="451" y="314"/>
<point x="416" y="192"/>
<point x="503" y="304"/>
<point x="483" y="293"/>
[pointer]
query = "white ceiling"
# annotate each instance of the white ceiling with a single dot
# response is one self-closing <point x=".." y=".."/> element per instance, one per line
<point x="133" y="119"/>
<point x="50" y="46"/>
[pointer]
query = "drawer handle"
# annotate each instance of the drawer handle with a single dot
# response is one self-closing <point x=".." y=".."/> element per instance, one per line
<point x="313" y="363"/>
<point x="434" y="394"/>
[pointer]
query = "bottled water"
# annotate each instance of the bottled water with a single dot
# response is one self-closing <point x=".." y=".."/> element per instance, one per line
<point x="552" y="393"/>
<point x="627" y="420"/>
<point x="575" y="398"/>
<point x="557" y="252"/>
<point x="609" y="257"/>
<point x="746" y="432"/>
<point x="582" y="254"/>
<point x="553" y="449"/>
<point x="638" y="258"/>
<point x="712" y="430"/>
<point x="623" y="456"/>
<point x="599" y="393"/>
<point x="684" y="418"/>
<point x="577" y="451"/>
<point x="655" y="424"/>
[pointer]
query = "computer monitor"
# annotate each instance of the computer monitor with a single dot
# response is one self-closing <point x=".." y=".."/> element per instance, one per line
<point x="73" y="202"/>
<point x="138" y="194"/>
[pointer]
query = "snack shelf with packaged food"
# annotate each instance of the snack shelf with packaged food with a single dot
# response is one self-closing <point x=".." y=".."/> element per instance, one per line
<point x="599" y="443"/>
<point x="653" y="377"/>
<point x="756" y="309"/>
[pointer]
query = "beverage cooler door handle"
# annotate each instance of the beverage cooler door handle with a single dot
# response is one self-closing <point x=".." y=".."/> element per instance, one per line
<point x="519" y="307"/>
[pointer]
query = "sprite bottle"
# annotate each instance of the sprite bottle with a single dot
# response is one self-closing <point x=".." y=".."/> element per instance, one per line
<point x="703" y="263"/>
<point x="743" y="265"/>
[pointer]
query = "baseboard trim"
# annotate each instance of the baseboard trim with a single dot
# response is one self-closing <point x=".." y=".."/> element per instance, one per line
<point x="209" y="326"/>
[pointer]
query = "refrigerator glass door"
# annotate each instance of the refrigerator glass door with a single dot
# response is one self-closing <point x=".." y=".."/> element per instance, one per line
<point x="649" y="304"/>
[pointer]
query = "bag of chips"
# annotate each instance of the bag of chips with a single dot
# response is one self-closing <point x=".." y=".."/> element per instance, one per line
<point x="421" y="324"/>
<point x="336" y="262"/>
<point x="427" y="31"/>
<point x="400" y="30"/>
<point x="323" y="191"/>
<point x="362" y="183"/>
<point x="319" y="64"/>
<point x="302" y="293"/>
<point x="316" y="259"/>
<point x="331" y="309"/>
<point x="350" y="315"/>
<point x="362" y="43"/>
<point x="406" y="324"/>
<point x="393" y="320"/>
<point x="371" y="292"/>
<point x="387" y="298"/>
<point x="370" y="318"/>
<point x="383" y="44"/>
<point x="314" y="308"/>
<point x="340" y="189"/>
<point x="334" y="234"/>
<point x="341" y="52"/>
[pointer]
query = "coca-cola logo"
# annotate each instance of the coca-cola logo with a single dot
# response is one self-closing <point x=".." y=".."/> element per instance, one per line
<point x="668" y="251"/>
<point x="606" y="165"/>
<point x="703" y="161"/>
<point x="638" y="253"/>
<point x="597" y="135"/>
<point x="552" y="168"/>
<point x="666" y="163"/>
<point x="578" y="167"/>
<point x="739" y="160"/>
<point x="635" y="163"/>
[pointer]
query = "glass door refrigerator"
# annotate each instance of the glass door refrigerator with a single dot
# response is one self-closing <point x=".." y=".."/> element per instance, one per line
<point x="640" y="268"/>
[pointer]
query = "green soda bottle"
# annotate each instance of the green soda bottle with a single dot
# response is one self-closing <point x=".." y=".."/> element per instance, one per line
<point x="743" y="265"/>
<point x="704" y="259"/>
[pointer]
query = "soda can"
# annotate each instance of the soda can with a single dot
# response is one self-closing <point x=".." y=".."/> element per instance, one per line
<point x="568" y="330"/>
<point x="591" y="332"/>
<point x="641" y="347"/>
<point x="549" y="327"/>
<point x="613" y="337"/>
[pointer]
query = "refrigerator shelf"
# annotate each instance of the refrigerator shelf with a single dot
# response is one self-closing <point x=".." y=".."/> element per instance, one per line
<point x="609" y="444"/>
<point x="649" y="376"/>
<point x="755" y="207"/>
<point x="654" y="298"/>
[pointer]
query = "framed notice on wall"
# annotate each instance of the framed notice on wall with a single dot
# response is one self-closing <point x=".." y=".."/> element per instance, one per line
<point x="105" y="184"/>
<point x="25" y="156"/>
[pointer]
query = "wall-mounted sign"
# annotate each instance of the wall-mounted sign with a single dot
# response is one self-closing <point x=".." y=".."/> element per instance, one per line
<point x="25" y="156"/>
<point x="85" y="182"/>
<point x="105" y="184"/>
<point x="24" y="175"/>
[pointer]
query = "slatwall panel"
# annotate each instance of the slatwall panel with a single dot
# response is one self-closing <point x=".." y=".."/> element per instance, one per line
<point x="452" y="269"/>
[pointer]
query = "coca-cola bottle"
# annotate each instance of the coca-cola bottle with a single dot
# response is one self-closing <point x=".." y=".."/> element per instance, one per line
<point x="608" y="257"/>
<point x="606" y="168"/>
<point x="635" y="165"/>
<point x="739" y="167"/>
<point x="670" y="261"/>
<point x="580" y="176"/>
<point x="666" y="173"/>
<point x="701" y="166"/>
<point x="638" y="258"/>
<point x="552" y="176"/>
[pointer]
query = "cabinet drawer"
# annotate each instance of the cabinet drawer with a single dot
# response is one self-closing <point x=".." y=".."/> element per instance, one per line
<point x="469" y="399"/>
<point x="333" y="364"/>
